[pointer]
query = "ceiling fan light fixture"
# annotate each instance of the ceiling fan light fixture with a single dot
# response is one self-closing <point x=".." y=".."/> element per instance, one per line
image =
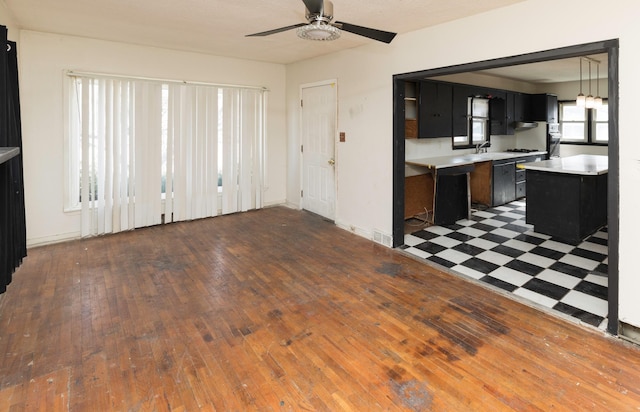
<point x="318" y="31"/>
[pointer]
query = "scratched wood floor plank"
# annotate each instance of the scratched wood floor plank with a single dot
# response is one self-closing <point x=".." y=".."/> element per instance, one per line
<point x="280" y="310"/>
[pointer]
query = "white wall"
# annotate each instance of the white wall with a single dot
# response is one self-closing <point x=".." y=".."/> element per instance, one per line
<point x="44" y="58"/>
<point x="7" y="20"/>
<point x="364" y="168"/>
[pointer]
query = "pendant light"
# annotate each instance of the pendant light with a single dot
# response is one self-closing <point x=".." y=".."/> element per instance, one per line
<point x="580" y="100"/>
<point x="589" y="100"/>
<point x="597" y="102"/>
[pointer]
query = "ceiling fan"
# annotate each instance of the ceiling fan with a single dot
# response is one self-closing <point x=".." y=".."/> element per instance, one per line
<point x="319" y="14"/>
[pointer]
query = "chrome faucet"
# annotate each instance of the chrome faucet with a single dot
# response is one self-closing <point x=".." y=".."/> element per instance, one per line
<point x="482" y="147"/>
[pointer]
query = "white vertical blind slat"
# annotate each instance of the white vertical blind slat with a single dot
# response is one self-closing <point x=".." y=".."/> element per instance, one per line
<point x="245" y="163"/>
<point x="188" y="128"/>
<point x="86" y="220"/>
<point x="199" y="152"/>
<point x="168" y="203"/>
<point x="148" y="150"/>
<point x="130" y="177"/>
<point x="212" y="152"/>
<point x="116" y="155"/>
<point x="229" y="153"/>
<point x="107" y="159"/>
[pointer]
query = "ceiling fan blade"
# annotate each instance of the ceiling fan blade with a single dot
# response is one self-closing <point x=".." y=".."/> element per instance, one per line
<point x="380" y="35"/>
<point x="314" y="6"/>
<point x="274" y="31"/>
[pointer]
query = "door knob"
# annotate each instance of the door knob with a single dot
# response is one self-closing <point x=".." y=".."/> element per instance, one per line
<point x="331" y="162"/>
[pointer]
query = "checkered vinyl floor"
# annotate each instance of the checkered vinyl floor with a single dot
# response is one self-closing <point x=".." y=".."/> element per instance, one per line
<point x="497" y="247"/>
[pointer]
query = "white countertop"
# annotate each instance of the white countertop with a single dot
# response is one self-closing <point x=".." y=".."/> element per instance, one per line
<point x="466" y="159"/>
<point x="7" y="153"/>
<point x="577" y="165"/>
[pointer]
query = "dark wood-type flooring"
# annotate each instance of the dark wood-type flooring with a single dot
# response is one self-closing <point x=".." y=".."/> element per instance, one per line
<point x="279" y="310"/>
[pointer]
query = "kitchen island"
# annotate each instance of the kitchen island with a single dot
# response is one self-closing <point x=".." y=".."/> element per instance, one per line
<point x="567" y="197"/>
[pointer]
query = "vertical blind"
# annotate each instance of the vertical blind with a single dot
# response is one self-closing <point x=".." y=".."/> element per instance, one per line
<point x="145" y="152"/>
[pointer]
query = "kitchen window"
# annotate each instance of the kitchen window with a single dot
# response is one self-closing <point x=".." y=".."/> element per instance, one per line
<point x="477" y="124"/>
<point x="579" y="125"/>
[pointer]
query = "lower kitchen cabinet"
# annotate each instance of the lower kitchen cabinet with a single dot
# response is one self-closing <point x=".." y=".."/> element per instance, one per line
<point x="504" y="182"/>
<point x="521" y="183"/>
<point x="497" y="182"/>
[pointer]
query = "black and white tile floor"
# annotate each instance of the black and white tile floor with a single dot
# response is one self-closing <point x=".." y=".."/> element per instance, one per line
<point x="497" y="247"/>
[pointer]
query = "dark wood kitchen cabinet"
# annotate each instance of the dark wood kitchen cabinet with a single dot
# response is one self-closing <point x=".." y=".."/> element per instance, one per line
<point x="509" y="181"/>
<point x="504" y="182"/>
<point x="521" y="183"/>
<point x="567" y="206"/>
<point x="521" y="173"/>
<point x="498" y="113"/>
<point x="518" y="109"/>
<point x="521" y="107"/>
<point x="440" y="109"/>
<point x="434" y="109"/>
<point x="544" y="108"/>
<point x="460" y="109"/>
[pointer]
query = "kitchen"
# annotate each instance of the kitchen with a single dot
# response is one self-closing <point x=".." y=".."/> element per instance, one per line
<point x="444" y="205"/>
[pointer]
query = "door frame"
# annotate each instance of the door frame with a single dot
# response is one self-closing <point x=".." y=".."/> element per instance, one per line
<point x="611" y="47"/>
<point x="328" y="82"/>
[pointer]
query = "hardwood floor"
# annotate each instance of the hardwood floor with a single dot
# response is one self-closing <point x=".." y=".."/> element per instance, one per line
<point x="281" y="310"/>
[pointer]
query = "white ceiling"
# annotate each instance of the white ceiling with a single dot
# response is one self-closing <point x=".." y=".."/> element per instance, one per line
<point x="219" y="27"/>
<point x="553" y="71"/>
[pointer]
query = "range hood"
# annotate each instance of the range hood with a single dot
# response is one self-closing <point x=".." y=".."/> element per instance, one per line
<point x="525" y="125"/>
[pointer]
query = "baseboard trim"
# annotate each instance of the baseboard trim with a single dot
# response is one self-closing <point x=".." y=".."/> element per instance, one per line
<point x="629" y="332"/>
<point x="50" y="240"/>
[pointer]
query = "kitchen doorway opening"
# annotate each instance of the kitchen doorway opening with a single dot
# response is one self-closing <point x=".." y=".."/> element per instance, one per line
<point x="608" y="47"/>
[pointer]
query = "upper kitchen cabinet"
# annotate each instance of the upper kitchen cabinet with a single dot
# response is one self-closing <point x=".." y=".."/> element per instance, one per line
<point x="460" y="107"/>
<point x="521" y="106"/>
<point x="498" y="112"/>
<point x="410" y="95"/>
<point x="544" y="108"/>
<point x="518" y="108"/>
<point x="441" y="109"/>
<point x="434" y="109"/>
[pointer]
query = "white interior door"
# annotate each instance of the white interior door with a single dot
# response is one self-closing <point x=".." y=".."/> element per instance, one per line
<point x="319" y="128"/>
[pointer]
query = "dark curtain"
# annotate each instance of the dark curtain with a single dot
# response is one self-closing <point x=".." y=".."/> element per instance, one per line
<point x="13" y="243"/>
